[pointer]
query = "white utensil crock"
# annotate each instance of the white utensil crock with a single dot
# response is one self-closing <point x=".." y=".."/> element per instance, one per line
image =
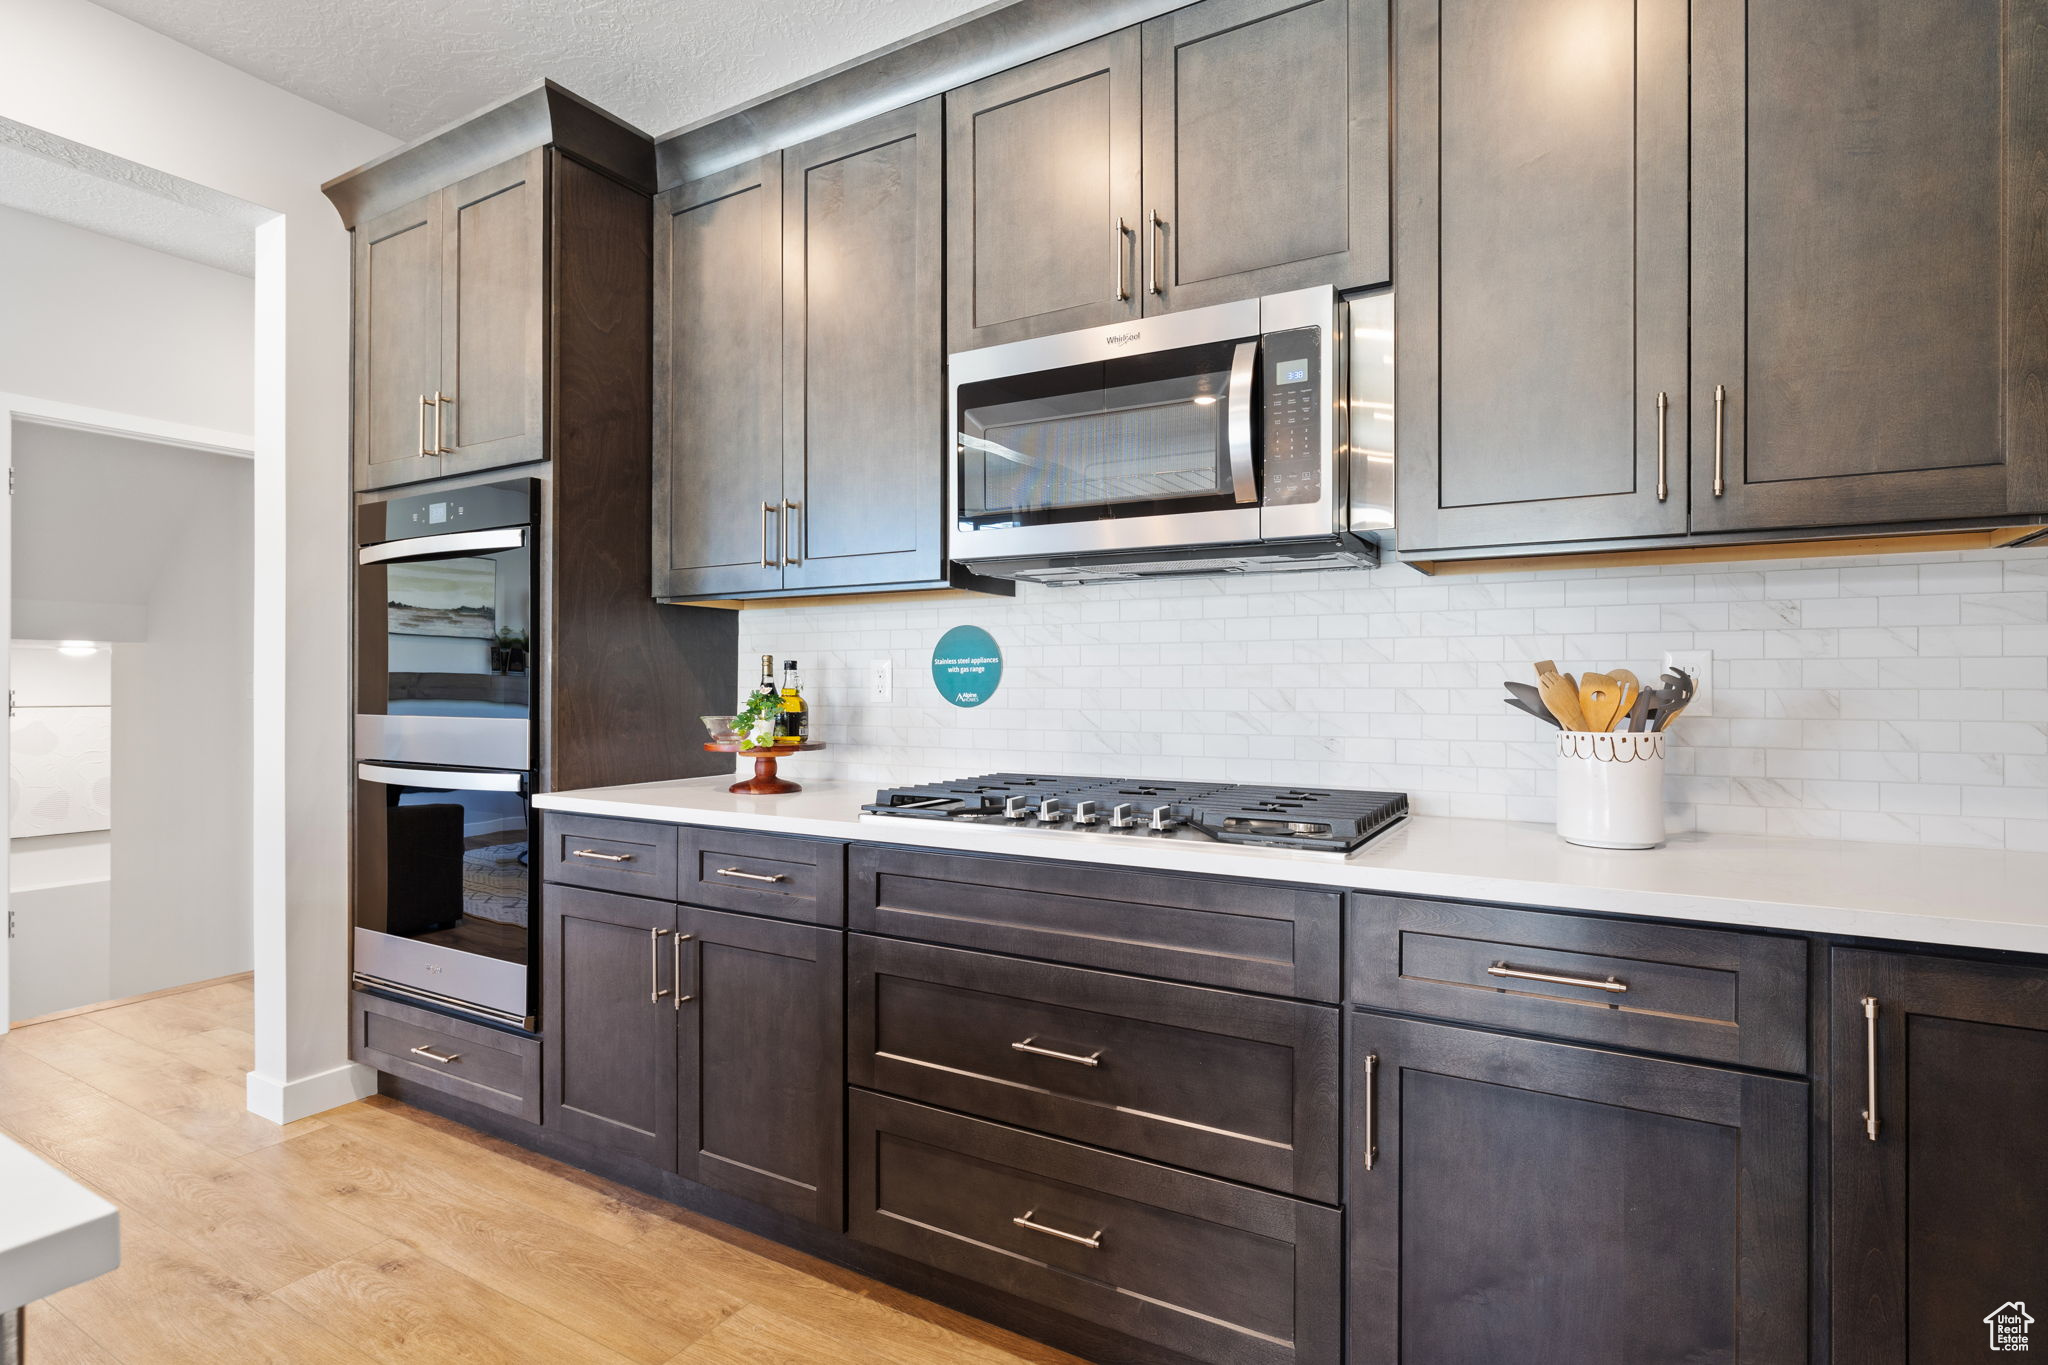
<point x="1610" y="789"/>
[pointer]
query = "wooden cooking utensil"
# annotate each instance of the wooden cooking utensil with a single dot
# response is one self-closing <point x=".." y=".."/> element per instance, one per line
<point x="1599" y="701"/>
<point x="1562" y="697"/>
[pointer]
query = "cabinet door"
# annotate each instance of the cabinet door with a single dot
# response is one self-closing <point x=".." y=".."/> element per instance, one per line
<point x="864" y="363"/>
<point x="1541" y="149"/>
<point x="397" y="343"/>
<point x="1043" y="196"/>
<point x="609" y="1020"/>
<point x="493" y="328"/>
<point x="763" y="1061"/>
<point x="718" y="383"/>
<point x="1871" y="260"/>
<point x="1265" y="149"/>
<point x="1531" y="1201"/>
<point x="1938" y="1217"/>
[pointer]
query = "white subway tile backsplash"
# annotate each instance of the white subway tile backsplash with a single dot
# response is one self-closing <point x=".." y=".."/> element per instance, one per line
<point x="1900" y="700"/>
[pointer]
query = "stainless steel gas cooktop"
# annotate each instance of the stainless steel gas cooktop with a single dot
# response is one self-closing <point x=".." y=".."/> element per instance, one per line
<point x="1312" y="819"/>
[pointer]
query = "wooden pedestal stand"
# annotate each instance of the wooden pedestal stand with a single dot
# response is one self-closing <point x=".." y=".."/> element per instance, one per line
<point x="764" y="782"/>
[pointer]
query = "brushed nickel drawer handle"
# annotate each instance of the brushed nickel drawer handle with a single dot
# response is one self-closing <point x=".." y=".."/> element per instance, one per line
<point x="1120" y="256"/>
<point x="676" y="970"/>
<point x="753" y="876"/>
<point x="1720" y="433"/>
<point x="654" y="987"/>
<point x="601" y="857"/>
<point x="1610" y="984"/>
<point x="1093" y="1243"/>
<point x="767" y="509"/>
<point x="441" y="446"/>
<point x="1663" y="485"/>
<point x="1870" y="1067"/>
<point x="1372" y="1105"/>
<point x="1030" y="1045"/>
<point x="424" y="452"/>
<point x="442" y="1057"/>
<point x="1154" y="263"/>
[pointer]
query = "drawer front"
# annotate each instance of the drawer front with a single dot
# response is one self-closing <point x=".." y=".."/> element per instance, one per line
<point x="636" y="857"/>
<point x="1254" y="936"/>
<point x="778" y="875"/>
<point x="487" y="1067"/>
<point x="1714" y="994"/>
<point x="1232" y="1085"/>
<point x="1213" y="1270"/>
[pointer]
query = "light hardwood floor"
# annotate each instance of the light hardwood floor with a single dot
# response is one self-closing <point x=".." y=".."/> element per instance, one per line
<point x="380" y="1233"/>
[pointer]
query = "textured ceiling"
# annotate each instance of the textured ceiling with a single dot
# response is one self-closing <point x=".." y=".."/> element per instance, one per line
<point x="91" y="189"/>
<point x="407" y="67"/>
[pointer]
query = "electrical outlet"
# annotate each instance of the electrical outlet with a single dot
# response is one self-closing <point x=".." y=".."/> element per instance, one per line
<point x="881" y="687"/>
<point x="1700" y="664"/>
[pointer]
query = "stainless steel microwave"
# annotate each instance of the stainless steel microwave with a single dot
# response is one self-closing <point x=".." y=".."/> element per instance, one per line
<point x="1242" y="438"/>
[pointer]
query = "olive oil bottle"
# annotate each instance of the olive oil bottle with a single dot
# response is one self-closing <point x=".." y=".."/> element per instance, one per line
<point x="795" y="727"/>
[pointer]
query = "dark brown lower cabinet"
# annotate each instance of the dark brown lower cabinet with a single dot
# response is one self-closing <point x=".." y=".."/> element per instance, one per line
<point x="1939" y="1140"/>
<point x="609" y="1060"/>
<point x="1215" y="1271"/>
<point x="763" y="1061"/>
<point x="1516" y="1200"/>
<point x="699" y="1042"/>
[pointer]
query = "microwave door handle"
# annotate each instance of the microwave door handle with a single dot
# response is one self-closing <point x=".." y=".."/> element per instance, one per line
<point x="449" y="779"/>
<point x="1238" y="423"/>
<point x="433" y="547"/>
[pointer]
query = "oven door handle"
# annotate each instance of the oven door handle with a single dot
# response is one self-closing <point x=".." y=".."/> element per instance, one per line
<point x="1238" y="423"/>
<point x="433" y="547"/>
<point x="452" y="779"/>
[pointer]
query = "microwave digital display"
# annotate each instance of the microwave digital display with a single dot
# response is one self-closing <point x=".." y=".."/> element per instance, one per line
<point x="1290" y="372"/>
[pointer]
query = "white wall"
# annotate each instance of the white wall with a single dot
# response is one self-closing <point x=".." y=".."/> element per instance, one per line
<point x="91" y="320"/>
<point x="73" y="69"/>
<point x="1902" y="699"/>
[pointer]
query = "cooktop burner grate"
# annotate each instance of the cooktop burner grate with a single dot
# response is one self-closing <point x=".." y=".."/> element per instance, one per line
<point x="1322" y="819"/>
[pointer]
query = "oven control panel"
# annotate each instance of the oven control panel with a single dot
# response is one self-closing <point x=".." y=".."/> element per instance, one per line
<point x="1295" y="395"/>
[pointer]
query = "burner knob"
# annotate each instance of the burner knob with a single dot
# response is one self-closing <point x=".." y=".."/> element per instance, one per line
<point x="1049" y="812"/>
<point x="1163" y="819"/>
<point x="1016" y="808"/>
<point x="1125" y="816"/>
<point x="1084" y="813"/>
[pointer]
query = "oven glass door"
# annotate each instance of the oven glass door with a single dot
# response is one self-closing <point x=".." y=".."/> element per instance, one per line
<point x="444" y="897"/>
<point x="444" y="650"/>
<point x="1163" y="433"/>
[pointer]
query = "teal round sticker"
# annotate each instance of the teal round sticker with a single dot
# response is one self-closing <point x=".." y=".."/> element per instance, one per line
<point x="967" y="665"/>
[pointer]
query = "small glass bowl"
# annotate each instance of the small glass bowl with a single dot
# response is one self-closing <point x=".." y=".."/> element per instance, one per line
<point x="720" y="729"/>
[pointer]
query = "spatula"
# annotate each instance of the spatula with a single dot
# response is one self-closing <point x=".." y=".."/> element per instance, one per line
<point x="1536" y="709"/>
<point x="1599" y="701"/>
<point x="1561" y="695"/>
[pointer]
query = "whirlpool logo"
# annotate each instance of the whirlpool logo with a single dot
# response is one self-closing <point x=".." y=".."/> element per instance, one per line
<point x="1120" y="339"/>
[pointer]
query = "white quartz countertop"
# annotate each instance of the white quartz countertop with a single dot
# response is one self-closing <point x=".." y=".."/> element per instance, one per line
<point x="1913" y="893"/>
<point x="54" y="1232"/>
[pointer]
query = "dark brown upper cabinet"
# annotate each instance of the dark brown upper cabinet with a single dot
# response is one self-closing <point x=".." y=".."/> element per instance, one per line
<point x="1541" y="313"/>
<point x="1870" y="274"/>
<point x="1844" y="329"/>
<point x="1518" y="1200"/>
<point x="474" y="251"/>
<point x="1255" y="160"/>
<point x="798" y="368"/>
<point x="1938" y="1130"/>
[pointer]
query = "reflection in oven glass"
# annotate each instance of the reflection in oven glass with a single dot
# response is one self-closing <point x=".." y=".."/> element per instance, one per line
<point x="458" y="870"/>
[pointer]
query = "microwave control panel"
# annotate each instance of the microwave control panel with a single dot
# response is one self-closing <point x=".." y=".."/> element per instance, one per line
<point x="1293" y="383"/>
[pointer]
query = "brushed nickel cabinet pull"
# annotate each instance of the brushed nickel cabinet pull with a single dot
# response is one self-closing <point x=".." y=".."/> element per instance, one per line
<point x="676" y="969"/>
<point x="1663" y="486"/>
<point x="753" y="876"/>
<point x="424" y="452"/>
<point x="442" y="1057"/>
<point x="1870" y="1067"/>
<point x="601" y="857"/>
<point x="767" y="508"/>
<point x="1155" y="264"/>
<point x="789" y="536"/>
<point x="1030" y="1045"/>
<point x="1093" y="1243"/>
<point x="1119" y="257"/>
<point x="1610" y="984"/>
<point x="1372" y="1106"/>
<point x="1720" y="432"/>
<point x="441" y="446"/>
<point x="654" y="987"/>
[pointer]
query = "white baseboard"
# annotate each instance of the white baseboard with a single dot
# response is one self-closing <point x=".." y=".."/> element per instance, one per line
<point x="289" y="1101"/>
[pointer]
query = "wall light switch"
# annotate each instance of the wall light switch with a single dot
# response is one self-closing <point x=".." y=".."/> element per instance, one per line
<point x="881" y="687"/>
<point x="1700" y="664"/>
